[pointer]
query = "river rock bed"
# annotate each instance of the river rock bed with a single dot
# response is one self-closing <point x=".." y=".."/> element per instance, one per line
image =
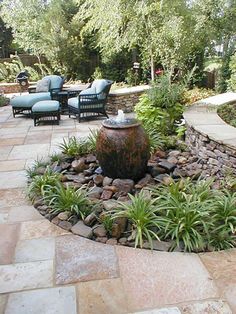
<point x="163" y="167"/>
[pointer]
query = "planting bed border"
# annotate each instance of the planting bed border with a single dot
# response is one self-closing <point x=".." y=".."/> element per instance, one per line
<point x="209" y="137"/>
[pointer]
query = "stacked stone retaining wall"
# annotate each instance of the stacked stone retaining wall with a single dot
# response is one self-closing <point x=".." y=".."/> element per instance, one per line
<point x="209" y="137"/>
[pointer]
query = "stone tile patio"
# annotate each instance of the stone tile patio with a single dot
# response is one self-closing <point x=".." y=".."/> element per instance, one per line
<point x="43" y="269"/>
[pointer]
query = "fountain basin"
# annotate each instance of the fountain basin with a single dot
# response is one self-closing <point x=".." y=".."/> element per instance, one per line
<point x="123" y="149"/>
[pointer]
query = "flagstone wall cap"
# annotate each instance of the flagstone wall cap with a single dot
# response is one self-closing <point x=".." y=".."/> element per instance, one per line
<point x="202" y="116"/>
<point x="129" y="90"/>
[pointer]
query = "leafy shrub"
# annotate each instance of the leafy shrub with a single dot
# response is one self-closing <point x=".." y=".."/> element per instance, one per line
<point x="160" y="107"/>
<point x="4" y="101"/>
<point x="42" y="183"/>
<point x="228" y="113"/>
<point x="92" y="140"/>
<point x="232" y="80"/>
<point x="195" y="94"/>
<point x="142" y="215"/>
<point x="69" y="199"/>
<point x="9" y="70"/>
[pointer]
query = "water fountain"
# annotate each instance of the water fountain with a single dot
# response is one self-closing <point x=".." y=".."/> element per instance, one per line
<point x="123" y="148"/>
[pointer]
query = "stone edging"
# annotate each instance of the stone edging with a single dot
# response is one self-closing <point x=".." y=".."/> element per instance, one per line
<point x="209" y="137"/>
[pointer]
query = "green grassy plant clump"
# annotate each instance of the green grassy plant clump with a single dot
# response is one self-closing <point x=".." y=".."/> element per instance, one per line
<point x="69" y="199"/>
<point x="74" y="147"/>
<point x="191" y="215"/>
<point x="228" y="113"/>
<point x="141" y="213"/>
<point x="195" y="216"/>
<point x="42" y="183"/>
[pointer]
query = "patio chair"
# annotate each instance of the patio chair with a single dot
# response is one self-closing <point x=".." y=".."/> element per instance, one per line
<point x="92" y="101"/>
<point x="45" y="90"/>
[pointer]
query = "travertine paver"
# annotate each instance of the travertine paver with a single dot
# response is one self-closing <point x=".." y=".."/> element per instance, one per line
<point x="3" y="215"/>
<point x="169" y="310"/>
<point x="222" y="267"/>
<point x="30" y="151"/>
<point x="39" y="229"/>
<point x="13" y="179"/>
<point x="35" y="250"/>
<point x="79" y="259"/>
<point x="23" y="213"/>
<point x="166" y="278"/>
<point x="8" y="240"/>
<point x="12" y="165"/>
<point x="102" y="296"/>
<point x="209" y="307"/>
<point x="25" y="276"/>
<point x="3" y="301"/>
<point x="60" y="300"/>
<point x="12" y="197"/>
<point x="5" y="151"/>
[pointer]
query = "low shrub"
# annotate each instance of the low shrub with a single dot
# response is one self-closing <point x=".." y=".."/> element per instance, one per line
<point x="228" y="113"/>
<point x="4" y="101"/>
<point x="195" y="94"/>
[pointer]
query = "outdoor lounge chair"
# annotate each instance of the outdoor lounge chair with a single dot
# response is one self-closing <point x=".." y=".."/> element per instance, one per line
<point x="91" y="102"/>
<point x="45" y="90"/>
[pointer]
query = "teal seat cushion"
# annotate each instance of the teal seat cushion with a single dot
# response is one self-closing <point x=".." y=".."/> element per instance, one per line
<point x="73" y="102"/>
<point x="56" y="81"/>
<point x="100" y="86"/>
<point x="27" y="101"/>
<point x="46" y="106"/>
<point x="89" y="91"/>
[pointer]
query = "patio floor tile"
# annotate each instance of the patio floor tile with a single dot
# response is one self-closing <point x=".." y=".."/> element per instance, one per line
<point x="43" y="301"/>
<point x="3" y="302"/>
<point x="8" y="239"/>
<point x="169" y="310"/>
<point x="35" y="250"/>
<point x="13" y="197"/>
<point x="12" y="141"/>
<point x="12" y="165"/>
<point x="153" y="279"/>
<point x="37" y="138"/>
<point x="25" y="276"/>
<point x="222" y="267"/>
<point x="5" y="151"/>
<point x="39" y="229"/>
<point x="23" y="213"/>
<point x="13" y="179"/>
<point x="4" y="213"/>
<point x="30" y="151"/>
<point x="209" y="307"/>
<point x="102" y="296"/>
<point x="79" y="259"/>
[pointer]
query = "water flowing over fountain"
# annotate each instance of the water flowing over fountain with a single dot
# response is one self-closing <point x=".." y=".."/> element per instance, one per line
<point x="123" y="148"/>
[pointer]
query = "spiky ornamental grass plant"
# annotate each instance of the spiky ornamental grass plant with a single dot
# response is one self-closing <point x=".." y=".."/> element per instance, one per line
<point x="222" y="234"/>
<point x="69" y="199"/>
<point x="193" y="214"/>
<point x="41" y="183"/>
<point x="141" y="213"/>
